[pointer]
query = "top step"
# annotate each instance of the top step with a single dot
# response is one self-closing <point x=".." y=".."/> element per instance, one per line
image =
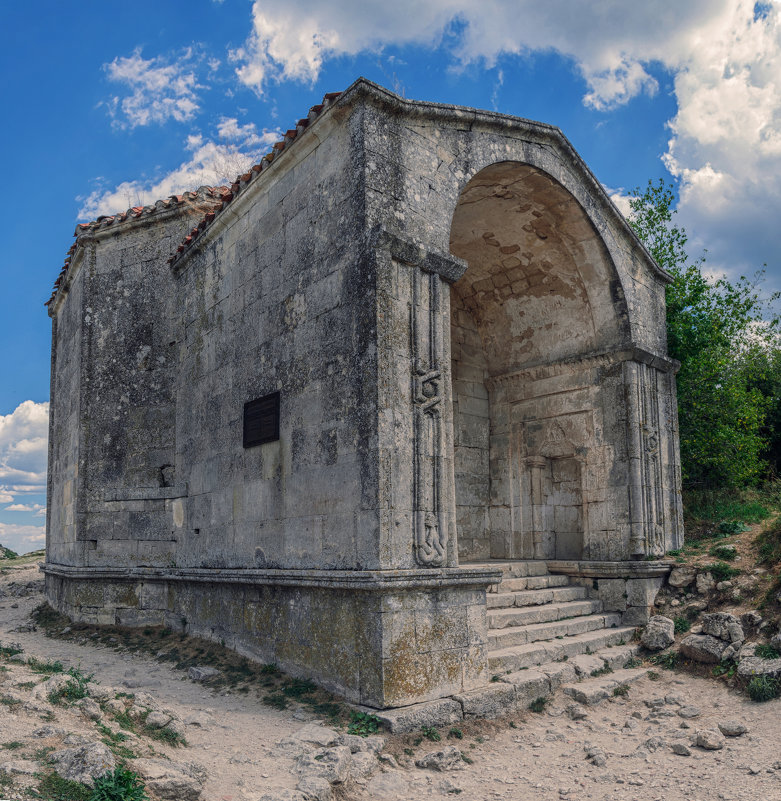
<point x="513" y="568"/>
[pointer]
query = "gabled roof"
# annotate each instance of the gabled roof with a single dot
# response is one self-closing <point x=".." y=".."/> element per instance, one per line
<point x="222" y="195"/>
<point x="243" y="180"/>
<point x="212" y="194"/>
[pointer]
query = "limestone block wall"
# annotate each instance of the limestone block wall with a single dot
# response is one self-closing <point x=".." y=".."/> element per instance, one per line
<point x="376" y="640"/>
<point x="115" y="343"/>
<point x="280" y="298"/>
<point x="63" y="542"/>
<point x="471" y="434"/>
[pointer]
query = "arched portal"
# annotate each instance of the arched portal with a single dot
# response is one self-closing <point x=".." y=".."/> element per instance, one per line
<point x="540" y="293"/>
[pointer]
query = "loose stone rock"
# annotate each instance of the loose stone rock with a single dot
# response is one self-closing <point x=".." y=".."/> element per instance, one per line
<point x="167" y="780"/>
<point x="331" y="764"/>
<point x="689" y="712"/>
<point x="659" y="633"/>
<point x="315" y="788"/>
<point x="200" y="673"/>
<point x="158" y="720"/>
<point x="448" y="758"/>
<point x="681" y="749"/>
<point x="705" y="583"/>
<point x="90" y="709"/>
<point x="595" y="755"/>
<point x="724" y="626"/>
<point x="576" y="712"/>
<point x="682" y="576"/>
<point x="702" y="648"/>
<point x="364" y="764"/>
<point x="84" y="763"/>
<point x="732" y="728"/>
<point x="709" y="739"/>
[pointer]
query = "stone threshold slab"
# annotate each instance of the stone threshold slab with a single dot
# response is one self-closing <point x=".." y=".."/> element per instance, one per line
<point x="593" y="569"/>
<point x="333" y="579"/>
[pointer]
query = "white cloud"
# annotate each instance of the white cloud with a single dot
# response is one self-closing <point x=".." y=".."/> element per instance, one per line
<point x="724" y="56"/>
<point x="158" y="90"/>
<point x="23" y="448"/>
<point x="26" y="507"/>
<point x="210" y="164"/>
<point x="292" y="40"/>
<point x="22" y="538"/>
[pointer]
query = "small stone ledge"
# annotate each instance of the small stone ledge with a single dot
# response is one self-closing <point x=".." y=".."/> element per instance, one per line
<point x="626" y="569"/>
<point x="487" y="702"/>
<point x="441" y="712"/>
<point x="370" y="580"/>
<point x="144" y="493"/>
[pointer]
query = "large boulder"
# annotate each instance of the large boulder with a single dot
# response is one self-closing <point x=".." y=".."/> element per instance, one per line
<point x="756" y="666"/>
<point x="84" y="763"/>
<point x="724" y="626"/>
<point x="703" y="648"/>
<point x="682" y="576"/>
<point x="168" y="780"/>
<point x="659" y="633"/>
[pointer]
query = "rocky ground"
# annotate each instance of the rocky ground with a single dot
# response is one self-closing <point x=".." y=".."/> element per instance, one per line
<point x="669" y="735"/>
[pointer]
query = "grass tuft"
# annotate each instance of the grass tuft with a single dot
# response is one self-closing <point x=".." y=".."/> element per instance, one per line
<point x="763" y="688"/>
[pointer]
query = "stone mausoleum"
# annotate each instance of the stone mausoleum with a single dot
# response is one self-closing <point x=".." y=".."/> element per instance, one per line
<point x="393" y="411"/>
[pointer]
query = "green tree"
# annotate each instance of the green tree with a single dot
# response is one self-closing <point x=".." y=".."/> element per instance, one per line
<point x="723" y="336"/>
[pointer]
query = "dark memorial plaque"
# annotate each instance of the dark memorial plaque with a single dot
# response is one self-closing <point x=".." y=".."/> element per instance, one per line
<point x="261" y="420"/>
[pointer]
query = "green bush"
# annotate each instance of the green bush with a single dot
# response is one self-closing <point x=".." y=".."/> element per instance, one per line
<point x="363" y="724"/>
<point x="769" y="543"/>
<point x="430" y="733"/>
<point x="538" y="705"/>
<point x="75" y="689"/>
<point x="726" y="552"/>
<point x="721" y="571"/>
<point x="763" y="688"/>
<point x="121" y="785"/>
<point x="37" y="666"/>
<point x="682" y="624"/>
<point x="666" y="659"/>
<point x="54" y="788"/>
<point x="766" y="651"/>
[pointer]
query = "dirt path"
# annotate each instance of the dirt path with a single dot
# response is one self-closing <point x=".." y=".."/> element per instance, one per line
<point x="539" y="757"/>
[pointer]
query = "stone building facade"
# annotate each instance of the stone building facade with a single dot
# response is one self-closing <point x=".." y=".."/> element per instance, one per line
<point x="307" y="414"/>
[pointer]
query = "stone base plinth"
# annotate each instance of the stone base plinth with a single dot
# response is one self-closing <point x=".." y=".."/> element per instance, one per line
<point x="378" y="638"/>
<point x="626" y="587"/>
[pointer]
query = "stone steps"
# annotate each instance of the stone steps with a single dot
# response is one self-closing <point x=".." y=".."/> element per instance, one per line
<point x="586" y="679"/>
<point x="501" y="600"/>
<point x="551" y="631"/>
<point x="545" y="613"/>
<point x="532" y="583"/>
<point x="502" y="660"/>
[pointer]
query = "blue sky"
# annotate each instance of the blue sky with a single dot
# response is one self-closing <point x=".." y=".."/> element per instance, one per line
<point x="112" y="105"/>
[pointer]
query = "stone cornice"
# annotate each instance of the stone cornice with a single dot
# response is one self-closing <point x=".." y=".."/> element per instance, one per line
<point x="369" y="580"/>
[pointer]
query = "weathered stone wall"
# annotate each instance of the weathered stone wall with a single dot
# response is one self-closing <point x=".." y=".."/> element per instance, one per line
<point x="118" y="375"/>
<point x="281" y="298"/>
<point x="376" y="641"/>
<point x="580" y="463"/>
<point x="63" y="544"/>
<point x="471" y="434"/>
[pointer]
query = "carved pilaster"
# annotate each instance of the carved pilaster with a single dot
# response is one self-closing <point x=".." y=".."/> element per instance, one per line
<point x="430" y="519"/>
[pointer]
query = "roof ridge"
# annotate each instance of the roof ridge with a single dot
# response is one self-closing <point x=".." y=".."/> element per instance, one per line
<point x="203" y="193"/>
<point x="242" y="180"/>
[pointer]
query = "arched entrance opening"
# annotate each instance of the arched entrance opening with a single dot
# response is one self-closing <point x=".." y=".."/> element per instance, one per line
<point x="540" y="294"/>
